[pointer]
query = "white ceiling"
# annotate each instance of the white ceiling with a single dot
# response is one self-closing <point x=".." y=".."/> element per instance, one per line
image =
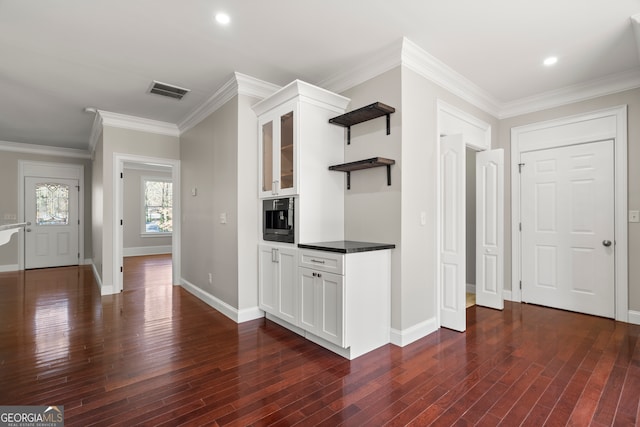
<point x="58" y="57"/>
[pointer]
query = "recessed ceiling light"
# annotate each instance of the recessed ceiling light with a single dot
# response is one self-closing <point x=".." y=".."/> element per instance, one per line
<point x="222" y="18"/>
<point x="550" y="61"/>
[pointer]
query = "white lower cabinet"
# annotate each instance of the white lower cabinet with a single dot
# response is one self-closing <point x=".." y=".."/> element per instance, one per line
<point x="322" y="305"/>
<point x="339" y="301"/>
<point x="278" y="282"/>
<point x="345" y="300"/>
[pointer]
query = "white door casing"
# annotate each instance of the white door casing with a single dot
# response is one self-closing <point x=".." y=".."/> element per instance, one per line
<point x="567" y="215"/>
<point x="452" y="242"/>
<point x="50" y="243"/>
<point x="490" y="228"/>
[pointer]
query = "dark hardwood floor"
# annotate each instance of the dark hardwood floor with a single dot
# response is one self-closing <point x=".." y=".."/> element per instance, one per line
<point x="156" y="355"/>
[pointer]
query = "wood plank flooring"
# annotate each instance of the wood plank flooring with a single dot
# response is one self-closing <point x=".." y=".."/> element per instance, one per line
<point x="156" y="355"/>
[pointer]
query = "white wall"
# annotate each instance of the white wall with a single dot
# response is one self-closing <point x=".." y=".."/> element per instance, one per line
<point x="248" y="206"/>
<point x="209" y="159"/>
<point x="97" y="207"/>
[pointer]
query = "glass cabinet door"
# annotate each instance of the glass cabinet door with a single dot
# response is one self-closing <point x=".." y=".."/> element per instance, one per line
<point x="267" y="157"/>
<point x="287" y="163"/>
<point x="278" y="150"/>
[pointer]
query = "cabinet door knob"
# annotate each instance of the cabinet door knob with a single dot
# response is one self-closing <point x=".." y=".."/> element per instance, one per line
<point x="319" y="275"/>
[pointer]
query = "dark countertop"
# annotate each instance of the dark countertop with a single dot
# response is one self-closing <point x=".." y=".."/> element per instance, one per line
<point x="346" y="246"/>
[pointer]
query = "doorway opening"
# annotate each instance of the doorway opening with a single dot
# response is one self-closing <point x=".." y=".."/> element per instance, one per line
<point x="152" y="218"/>
<point x="470" y="229"/>
<point x="458" y="133"/>
<point x="147" y="214"/>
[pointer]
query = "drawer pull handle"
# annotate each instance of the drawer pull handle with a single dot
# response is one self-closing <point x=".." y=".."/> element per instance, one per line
<point x="316" y="261"/>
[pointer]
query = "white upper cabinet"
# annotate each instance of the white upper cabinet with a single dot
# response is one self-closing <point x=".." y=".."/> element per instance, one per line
<point x="296" y="142"/>
<point x="278" y="150"/>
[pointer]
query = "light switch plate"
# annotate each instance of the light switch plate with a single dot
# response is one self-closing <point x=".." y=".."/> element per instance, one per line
<point x="223" y="218"/>
<point x="634" y="216"/>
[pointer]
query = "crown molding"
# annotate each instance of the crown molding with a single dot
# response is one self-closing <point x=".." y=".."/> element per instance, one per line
<point x="96" y="131"/>
<point x="408" y="54"/>
<point x="45" y="150"/>
<point x="571" y="94"/>
<point x="124" y="121"/>
<point x="384" y="60"/>
<point x="239" y="84"/>
<point x="309" y="92"/>
<point x="420" y="61"/>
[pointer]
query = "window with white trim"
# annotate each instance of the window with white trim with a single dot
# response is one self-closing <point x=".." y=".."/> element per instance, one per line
<point x="157" y="208"/>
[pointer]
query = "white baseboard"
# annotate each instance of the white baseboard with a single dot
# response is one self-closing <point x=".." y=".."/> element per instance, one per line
<point x="104" y="290"/>
<point x="471" y="288"/>
<point x="8" y="267"/>
<point x="87" y="261"/>
<point x="634" y="317"/>
<point x="506" y="295"/>
<point x="232" y="313"/>
<point x="414" y="333"/>
<point x="512" y="295"/>
<point x="146" y="250"/>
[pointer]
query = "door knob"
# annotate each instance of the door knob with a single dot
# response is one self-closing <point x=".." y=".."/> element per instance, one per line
<point x="28" y="230"/>
<point x="606" y="243"/>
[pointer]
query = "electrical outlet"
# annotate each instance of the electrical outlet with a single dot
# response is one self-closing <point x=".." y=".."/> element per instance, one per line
<point x="634" y="216"/>
<point x="423" y="218"/>
<point x="210" y="278"/>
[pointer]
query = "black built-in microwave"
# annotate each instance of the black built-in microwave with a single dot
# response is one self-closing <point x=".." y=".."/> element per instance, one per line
<point x="278" y="220"/>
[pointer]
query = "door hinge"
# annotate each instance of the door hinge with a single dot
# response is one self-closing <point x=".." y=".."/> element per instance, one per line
<point x="121" y="269"/>
<point x="78" y="222"/>
<point x="121" y="223"/>
<point x="78" y="187"/>
<point x="78" y="255"/>
<point x="520" y="284"/>
<point x="520" y="165"/>
<point x="121" y="175"/>
<point x="520" y="226"/>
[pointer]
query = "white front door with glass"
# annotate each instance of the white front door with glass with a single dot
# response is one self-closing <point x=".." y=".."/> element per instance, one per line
<point x="51" y="211"/>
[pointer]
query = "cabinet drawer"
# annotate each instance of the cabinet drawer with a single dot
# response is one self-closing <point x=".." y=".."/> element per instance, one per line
<point x="323" y="261"/>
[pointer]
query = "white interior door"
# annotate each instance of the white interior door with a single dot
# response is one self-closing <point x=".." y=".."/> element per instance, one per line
<point x="452" y="233"/>
<point x="490" y="228"/>
<point x="567" y="215"/>
<point x="51" y="208"/>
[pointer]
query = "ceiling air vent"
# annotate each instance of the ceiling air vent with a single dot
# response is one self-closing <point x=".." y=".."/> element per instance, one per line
<point x="170" y="91"/>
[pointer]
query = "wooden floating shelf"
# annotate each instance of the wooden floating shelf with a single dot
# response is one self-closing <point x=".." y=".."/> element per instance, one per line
<point x="368" y="112"/>
<point x="373" y="162"/>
